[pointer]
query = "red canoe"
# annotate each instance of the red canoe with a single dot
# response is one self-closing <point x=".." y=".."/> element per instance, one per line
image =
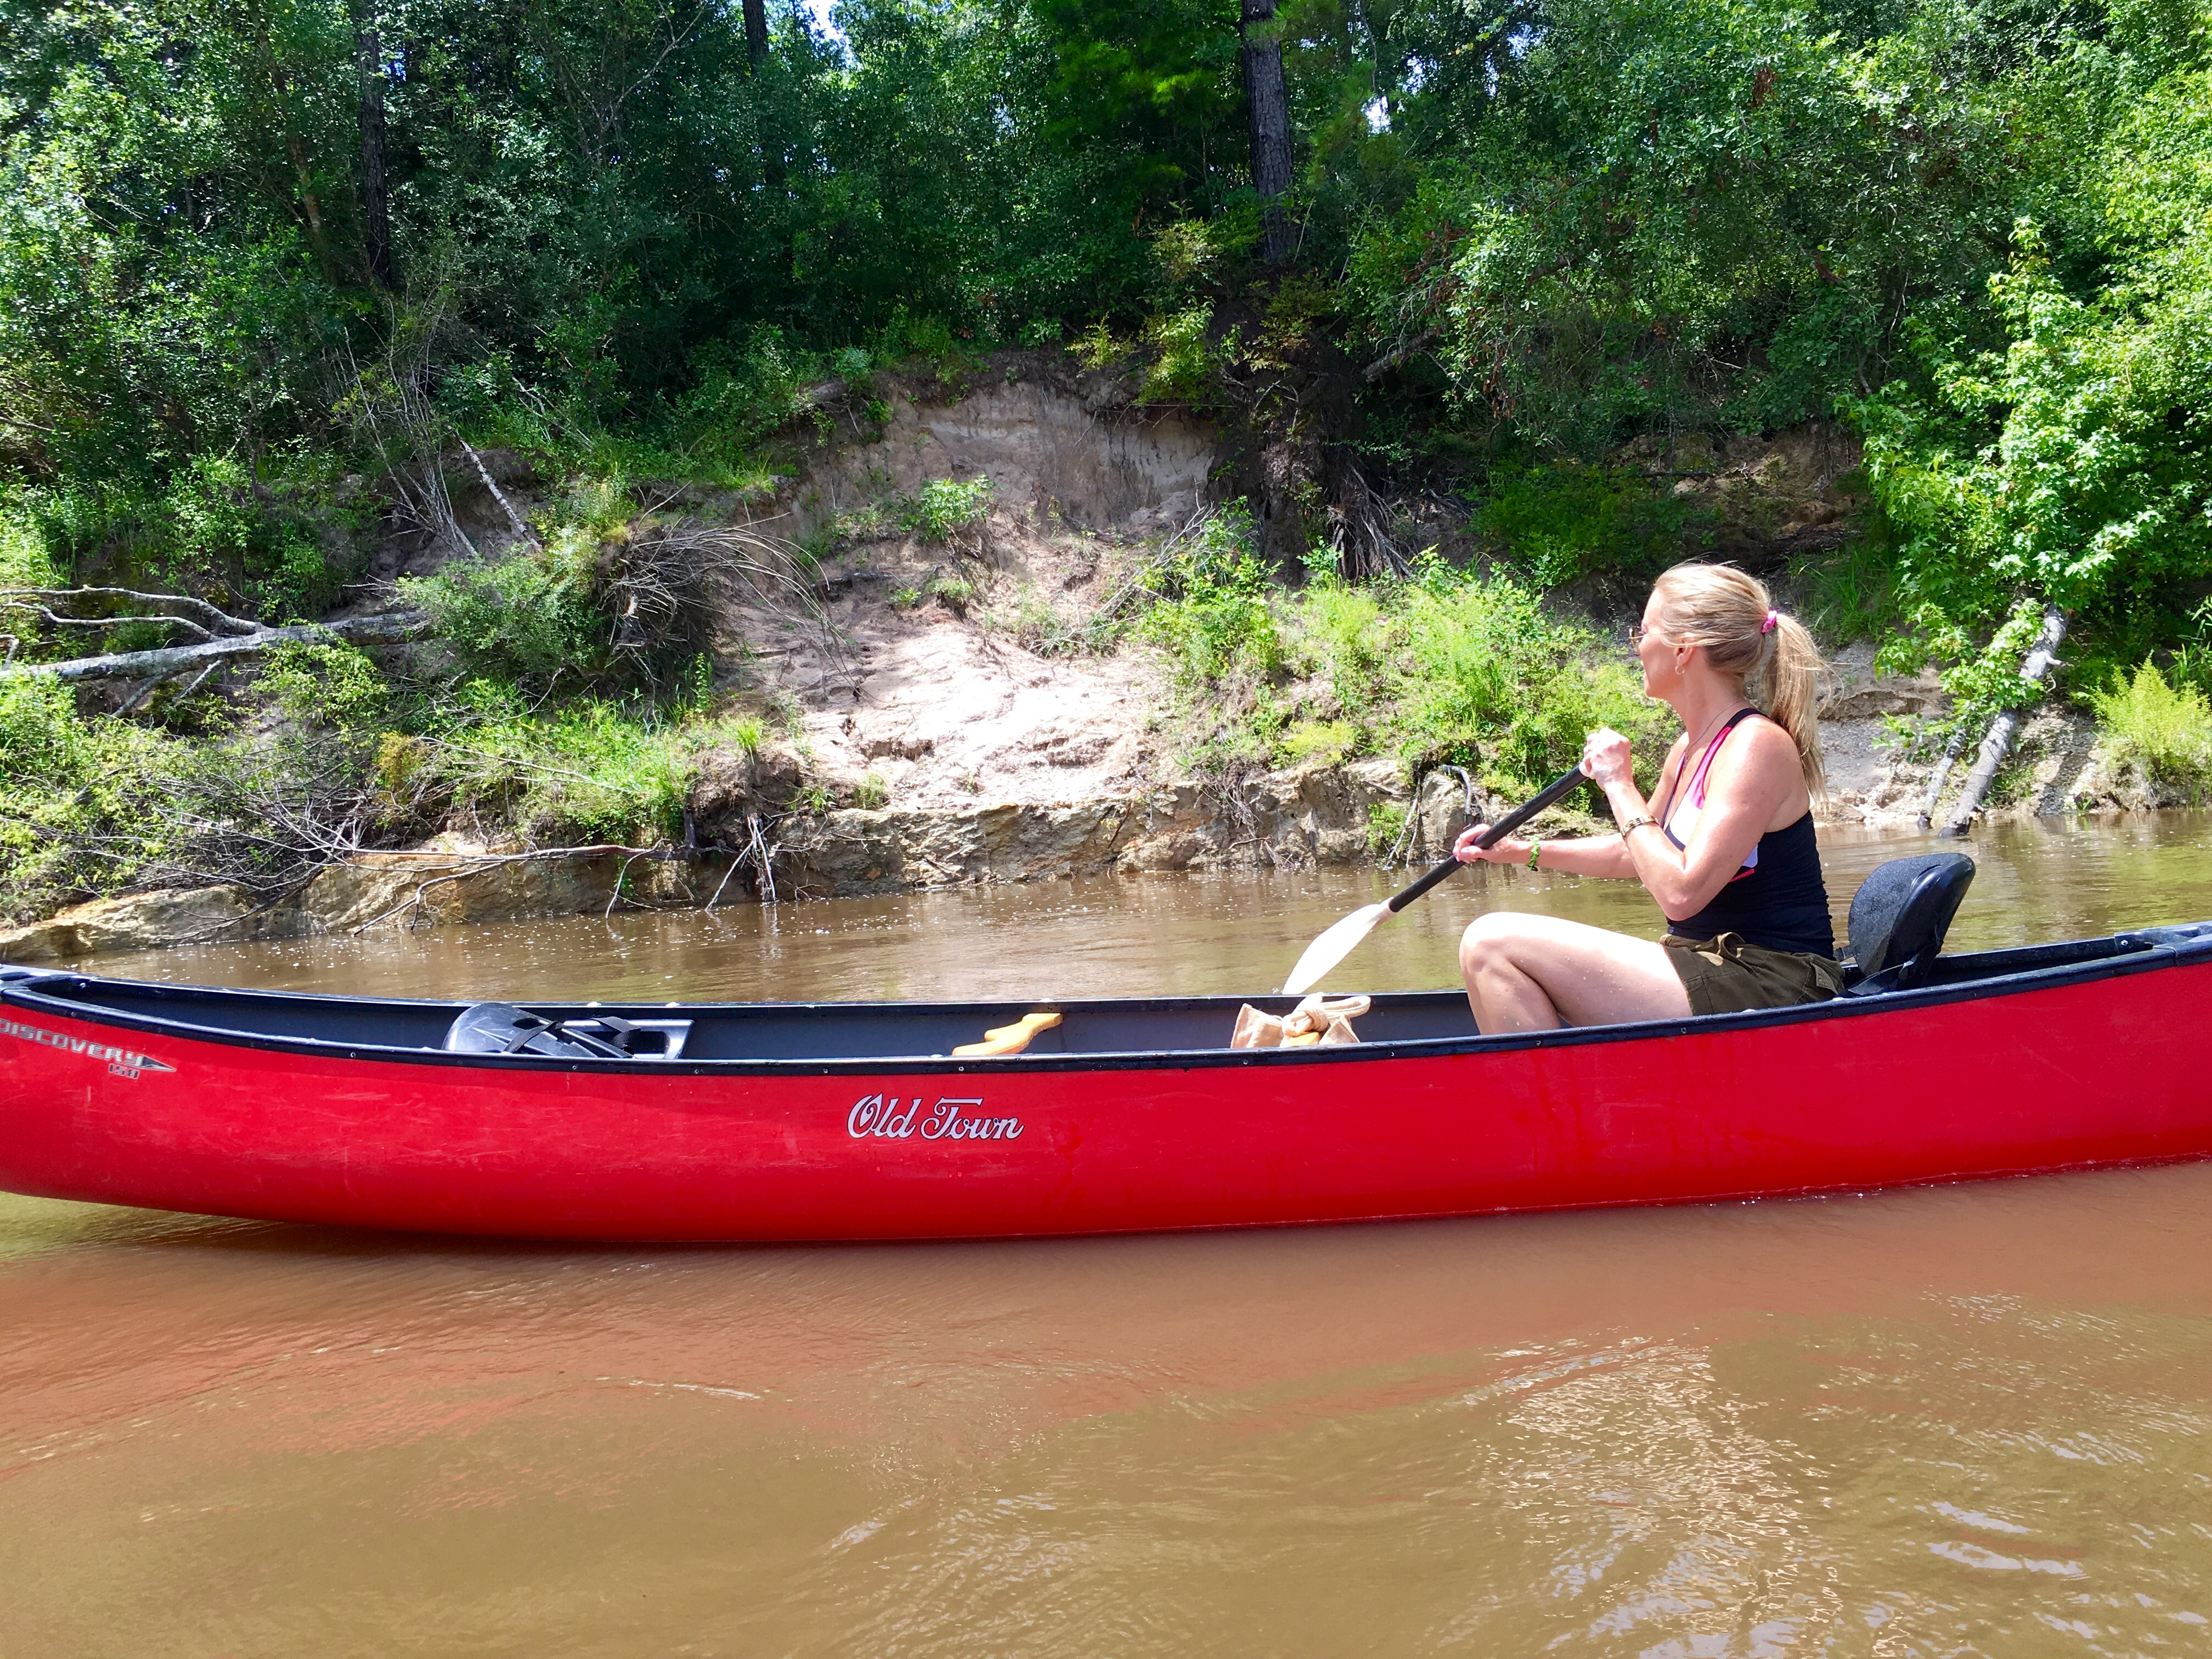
<point x="844" y="1121"/>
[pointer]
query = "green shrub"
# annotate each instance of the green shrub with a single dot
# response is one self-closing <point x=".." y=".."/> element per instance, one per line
<point x="1562" y="521"/>
<point x="1483" y="669"/>
<point x="2165" y="729"/>
<point x="956" y="592"/>
<point x="946" y="506"/>
<point x="747" y="734"/>
<point x="1212" y="611"/>
<point x="528" y="616"/>
<point x="1324" y="741"/>
<point x="1848" y="594"/>
<point x="595" y="771"/>
<point x="1386" y="822"/>
<point x="1182" y="369"/>
<point x="871" y="793"/>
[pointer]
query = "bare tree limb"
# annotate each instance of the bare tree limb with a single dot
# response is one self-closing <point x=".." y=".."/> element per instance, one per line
<point x="223" y="620"/>
<point x="2042" y="657"/>
<point x="497" y="493"/>
<point x="174" y="659"/>
<point x="1399" y="354"/>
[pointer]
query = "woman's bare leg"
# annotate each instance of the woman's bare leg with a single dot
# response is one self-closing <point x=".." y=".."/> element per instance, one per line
<point x="1528" y="973"/>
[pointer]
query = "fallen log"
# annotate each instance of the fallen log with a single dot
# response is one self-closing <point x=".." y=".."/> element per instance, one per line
<point x="2042" y="657"/>
<point x="1942" y="771"/>
<point x="1399" y="354"/>
<point x="174" y="659"/>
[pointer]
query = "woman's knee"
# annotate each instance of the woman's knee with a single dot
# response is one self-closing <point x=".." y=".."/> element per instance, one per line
<point x="1489" y="939"/>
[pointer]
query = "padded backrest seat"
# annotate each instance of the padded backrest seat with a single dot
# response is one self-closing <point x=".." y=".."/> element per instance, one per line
<point x="1899" y="917"/>
<point x="501" y="1028"/>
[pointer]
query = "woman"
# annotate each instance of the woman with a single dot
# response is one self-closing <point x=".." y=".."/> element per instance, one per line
<point x="1725" y="845"/>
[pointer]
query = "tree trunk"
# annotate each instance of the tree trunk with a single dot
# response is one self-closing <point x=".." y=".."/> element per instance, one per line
<point x="1269" y="100"/>
<point x="757" y="56"/>
<point x="375" y="180"/>
<point x="1942" y="771"/>
<point x="2042" y="657"/>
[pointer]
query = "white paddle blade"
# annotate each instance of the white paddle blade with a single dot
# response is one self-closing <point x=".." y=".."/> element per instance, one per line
<point x="1331" y="948"/>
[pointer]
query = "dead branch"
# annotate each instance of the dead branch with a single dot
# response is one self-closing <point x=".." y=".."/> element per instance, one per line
<point x="1397" y="355"/>
<point x="2042" y="657"/>
<point x="171" y="660"/>
<point x="221" y="620"/>
<point x="497" y="493"/>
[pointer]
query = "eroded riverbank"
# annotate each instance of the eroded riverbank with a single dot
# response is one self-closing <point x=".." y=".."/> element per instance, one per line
<point x="1167" y="934"/>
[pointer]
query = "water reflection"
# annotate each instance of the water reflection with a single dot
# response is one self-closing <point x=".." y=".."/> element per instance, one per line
<point x="1957" y="1420"/>
<point x="1175" y="935"/>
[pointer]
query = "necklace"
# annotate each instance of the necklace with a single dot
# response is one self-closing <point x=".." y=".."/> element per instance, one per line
<point x="1714" y="725"/>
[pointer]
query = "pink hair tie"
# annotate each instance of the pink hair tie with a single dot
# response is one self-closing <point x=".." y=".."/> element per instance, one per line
<point x="1772" y="618"/>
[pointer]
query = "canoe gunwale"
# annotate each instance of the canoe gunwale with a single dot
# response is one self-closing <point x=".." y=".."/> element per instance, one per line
<point x="2136" y="952"/>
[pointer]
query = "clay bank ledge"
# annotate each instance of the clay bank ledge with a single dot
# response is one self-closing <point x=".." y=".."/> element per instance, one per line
<point x="1294" y="819"/>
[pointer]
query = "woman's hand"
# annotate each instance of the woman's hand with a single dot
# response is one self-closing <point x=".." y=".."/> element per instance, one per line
<point x="1606" y="759"/>
<point x="1506" y="852"/>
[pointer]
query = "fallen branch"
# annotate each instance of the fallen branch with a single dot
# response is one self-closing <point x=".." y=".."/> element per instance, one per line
<point x="222" y="620"/>
<point x="171" y="660"/>
<point x="1943" y="771"/>
<point x="497" y="493"/>
<point x="1397" y="355"/>
<point x="2042" y="657"/>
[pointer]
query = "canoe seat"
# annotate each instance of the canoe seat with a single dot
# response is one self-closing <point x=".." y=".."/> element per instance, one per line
<point x="1899" y="919"/>
<point x="501" y="1028"/>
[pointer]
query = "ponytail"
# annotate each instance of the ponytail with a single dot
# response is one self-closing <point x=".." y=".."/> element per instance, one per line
<point x="1731" y="615"/>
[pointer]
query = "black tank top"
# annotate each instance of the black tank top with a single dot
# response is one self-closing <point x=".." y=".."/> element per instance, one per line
<point x="1778" y="900"/>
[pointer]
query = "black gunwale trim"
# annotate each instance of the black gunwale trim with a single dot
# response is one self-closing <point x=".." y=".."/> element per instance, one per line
<point x="2139" y="951"/>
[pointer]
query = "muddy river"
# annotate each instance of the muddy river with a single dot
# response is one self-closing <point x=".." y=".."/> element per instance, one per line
<point x="1974" y="1419"/>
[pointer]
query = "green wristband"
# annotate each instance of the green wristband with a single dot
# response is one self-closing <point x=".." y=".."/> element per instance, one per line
<point x="1535" y="850"/>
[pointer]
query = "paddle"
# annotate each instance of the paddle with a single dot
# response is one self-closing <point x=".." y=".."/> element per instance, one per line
<point x="1338" y="943"/>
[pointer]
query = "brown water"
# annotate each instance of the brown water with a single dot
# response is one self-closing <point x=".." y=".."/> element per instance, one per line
<point x="1971" y="1419"/>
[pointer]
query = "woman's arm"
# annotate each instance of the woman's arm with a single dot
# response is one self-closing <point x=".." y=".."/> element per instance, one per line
<point x="1751" y="779"/>
<point x="1584" y="855"/>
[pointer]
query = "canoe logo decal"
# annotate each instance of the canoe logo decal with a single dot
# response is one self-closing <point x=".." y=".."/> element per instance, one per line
<point x="893" y="1119"/>
<point x="121" y="1062"/>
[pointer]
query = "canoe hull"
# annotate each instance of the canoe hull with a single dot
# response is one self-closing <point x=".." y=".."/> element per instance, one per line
<point x="2096" y="1070"/>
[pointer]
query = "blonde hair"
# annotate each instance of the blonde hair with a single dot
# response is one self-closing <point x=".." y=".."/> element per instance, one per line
<point x="1719" y="608"/>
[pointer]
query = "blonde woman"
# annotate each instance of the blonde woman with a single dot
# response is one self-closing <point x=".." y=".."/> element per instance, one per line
<point x="1725" y="845"/>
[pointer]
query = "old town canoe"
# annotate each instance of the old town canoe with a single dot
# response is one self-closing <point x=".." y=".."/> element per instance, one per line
<point x="823" y="1121"/>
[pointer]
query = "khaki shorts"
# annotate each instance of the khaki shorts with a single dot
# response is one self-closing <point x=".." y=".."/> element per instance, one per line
<point x="1725" y="975"/>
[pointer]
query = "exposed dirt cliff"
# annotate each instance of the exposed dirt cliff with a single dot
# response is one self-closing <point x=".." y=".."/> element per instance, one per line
<point x="949" y="727"/>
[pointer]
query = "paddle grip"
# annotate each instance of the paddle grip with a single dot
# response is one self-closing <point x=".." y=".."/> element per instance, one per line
<point x="1490" y="837"/>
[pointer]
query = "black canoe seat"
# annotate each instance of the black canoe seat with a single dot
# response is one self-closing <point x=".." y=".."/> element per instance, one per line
<point x="1899" y="919"/>
<point x="501" y="1028"/>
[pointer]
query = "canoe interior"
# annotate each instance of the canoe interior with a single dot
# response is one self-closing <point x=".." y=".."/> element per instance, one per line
<point x="847" y="1031"/>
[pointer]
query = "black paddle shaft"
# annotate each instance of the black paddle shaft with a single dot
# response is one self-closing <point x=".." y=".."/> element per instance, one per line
<point x="1497" y="832"/>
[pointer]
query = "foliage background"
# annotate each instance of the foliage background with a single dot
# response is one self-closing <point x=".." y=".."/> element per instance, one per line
<point x="1526" y="234"/>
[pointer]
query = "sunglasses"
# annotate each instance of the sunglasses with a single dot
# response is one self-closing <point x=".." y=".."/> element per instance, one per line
<point x="1638" y="632"/>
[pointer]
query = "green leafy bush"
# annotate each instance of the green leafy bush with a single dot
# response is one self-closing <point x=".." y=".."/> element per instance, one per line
<point x="1212" y="608"/>
<point x="946" y="506"/>
<point x="526" y="615"/>
<point x="1561" y="522"/>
